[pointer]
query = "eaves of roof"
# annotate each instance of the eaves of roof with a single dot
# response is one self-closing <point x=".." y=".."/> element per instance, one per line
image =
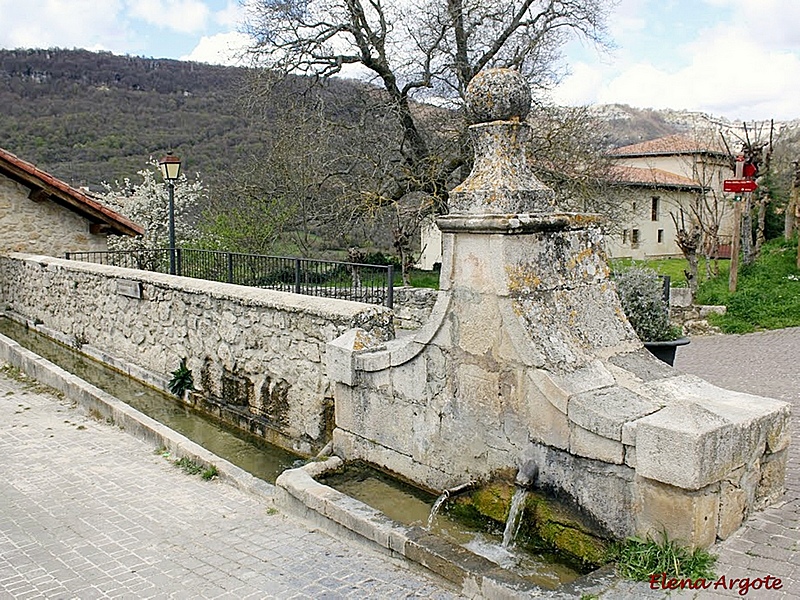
<point x="621" y="175"/>
<point x="44" y="186"/>
<point x="671" y="145"/>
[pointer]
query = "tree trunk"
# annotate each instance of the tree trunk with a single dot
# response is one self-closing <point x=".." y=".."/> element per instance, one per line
<point x="761" y="224"/>
<point x="788" y="217"/>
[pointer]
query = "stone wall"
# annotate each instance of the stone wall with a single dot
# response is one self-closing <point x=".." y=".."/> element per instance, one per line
<point x="259" y="350"/>
<point x="413" y="306"/>
<point x="41" y="227"/>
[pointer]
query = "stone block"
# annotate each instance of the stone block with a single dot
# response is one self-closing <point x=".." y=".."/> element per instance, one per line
<point x="732" y="509"/>
<point x="585" y="443"/>
<point x="606" y="410"/>
<point x="690" y="517"/>
<point x="772" y="483"/>
<point x="545" y="423"/>
<point x="686" y="446"/>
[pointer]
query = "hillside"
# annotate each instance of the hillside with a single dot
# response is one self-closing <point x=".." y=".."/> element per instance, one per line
<point x="90" y="117"/>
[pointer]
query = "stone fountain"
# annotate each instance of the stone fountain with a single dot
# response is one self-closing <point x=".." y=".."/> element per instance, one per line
<point x="528" y="359"/>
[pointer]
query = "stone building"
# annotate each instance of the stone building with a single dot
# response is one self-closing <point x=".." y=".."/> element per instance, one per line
<point x="43" y="215"/>
<point x="654" y="179"/>
<point x="661" y="177"/>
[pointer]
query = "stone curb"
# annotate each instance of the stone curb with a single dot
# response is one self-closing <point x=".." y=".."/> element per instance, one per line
<point x="99" y="403"/>
<point x="299" y="493"/>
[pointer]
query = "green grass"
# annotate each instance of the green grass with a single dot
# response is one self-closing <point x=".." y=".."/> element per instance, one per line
<point x="638" y="559"/>
<point x="675" y="268"/>
<point x="424" y="279"/>
<point x="767" y="295"/>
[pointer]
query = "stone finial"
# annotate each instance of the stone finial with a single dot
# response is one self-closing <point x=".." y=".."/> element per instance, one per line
<point x="498" y="95"/>
<point x="501" y="182"/>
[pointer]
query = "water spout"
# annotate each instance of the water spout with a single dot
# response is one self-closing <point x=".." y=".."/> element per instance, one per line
<point x="528" y="475"/>
<point x="445" y="496"/>
<point x="514" y="516"/>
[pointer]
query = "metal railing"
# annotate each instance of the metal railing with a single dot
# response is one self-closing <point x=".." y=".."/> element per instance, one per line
<point x="372" y="284"/>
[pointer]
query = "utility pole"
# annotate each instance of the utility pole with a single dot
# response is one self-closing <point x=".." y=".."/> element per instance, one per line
<point x="733" y="274"/>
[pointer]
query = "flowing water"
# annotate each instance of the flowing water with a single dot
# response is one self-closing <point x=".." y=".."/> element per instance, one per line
<point x="514" y="519"/>
<point x="412" y="506"/>
<point x="435" y="509"/>
<point x="248" y="452"/>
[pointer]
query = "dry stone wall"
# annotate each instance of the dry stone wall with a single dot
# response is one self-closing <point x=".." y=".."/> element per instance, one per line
<point x="258" y="351"/>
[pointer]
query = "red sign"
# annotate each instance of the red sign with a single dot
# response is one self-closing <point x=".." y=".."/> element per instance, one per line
<point x="738" y="186"/>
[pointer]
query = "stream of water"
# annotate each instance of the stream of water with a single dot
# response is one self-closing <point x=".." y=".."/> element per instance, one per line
<point x="514" y="519"/>
<point x="246" y="451"/>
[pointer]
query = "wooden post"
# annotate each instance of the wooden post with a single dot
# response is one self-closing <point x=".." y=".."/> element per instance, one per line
<point x="790" y="220"/>
<point x="733" y="274"/>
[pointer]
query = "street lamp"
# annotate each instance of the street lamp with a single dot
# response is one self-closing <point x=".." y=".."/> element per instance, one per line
<point x="170" y="167"/>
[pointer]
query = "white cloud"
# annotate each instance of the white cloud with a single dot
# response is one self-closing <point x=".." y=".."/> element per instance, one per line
<point x="183" y="16"/>
<point x="746" y="68"/>
<point x="220" y="49"/>
<point x="48" y="24"/>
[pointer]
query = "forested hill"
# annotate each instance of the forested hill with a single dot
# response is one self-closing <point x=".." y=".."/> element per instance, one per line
<point x="90" y="117"/>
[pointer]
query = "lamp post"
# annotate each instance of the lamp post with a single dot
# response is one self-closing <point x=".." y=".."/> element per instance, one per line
<point x="170" y="167"/>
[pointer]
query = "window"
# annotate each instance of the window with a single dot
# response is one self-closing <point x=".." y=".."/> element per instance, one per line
<point x="624" y="236"/>
<point x="634" y="238"/>
<point x="660" y="236"/>
<point x="654" y="208"/>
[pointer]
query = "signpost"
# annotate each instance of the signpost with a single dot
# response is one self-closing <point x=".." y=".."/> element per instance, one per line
<point x="739" y="186"/>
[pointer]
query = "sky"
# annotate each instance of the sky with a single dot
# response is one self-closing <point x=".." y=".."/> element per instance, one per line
<point x="738" y="59"/>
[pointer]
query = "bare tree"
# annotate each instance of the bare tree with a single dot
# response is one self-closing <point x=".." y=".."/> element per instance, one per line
<point x="421" y="48"/>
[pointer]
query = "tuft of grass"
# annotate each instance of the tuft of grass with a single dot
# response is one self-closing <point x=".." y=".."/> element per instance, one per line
<point x="188" y="465"/>
<point x="182" y="380"/>
<point x="192" y="468"/>
<point x="638" y="559"/>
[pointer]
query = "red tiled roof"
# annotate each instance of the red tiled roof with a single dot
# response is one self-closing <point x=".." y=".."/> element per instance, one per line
<point x="43" y="185"/>
<point x="672" y="144"/>
<point x="623" y="175"/>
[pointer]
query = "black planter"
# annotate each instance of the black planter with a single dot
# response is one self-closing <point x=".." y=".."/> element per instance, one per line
<point x="665" y="351"/>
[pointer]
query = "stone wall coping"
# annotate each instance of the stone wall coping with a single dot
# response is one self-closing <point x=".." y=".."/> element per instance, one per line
<point x="252" y="296"/>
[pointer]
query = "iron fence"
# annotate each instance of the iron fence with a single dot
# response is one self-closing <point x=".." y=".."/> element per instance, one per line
<point x="372" y="284"/>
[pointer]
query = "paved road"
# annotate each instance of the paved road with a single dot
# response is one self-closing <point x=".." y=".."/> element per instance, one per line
<point x="766" y="364"/>
<point x="87" y="511"/>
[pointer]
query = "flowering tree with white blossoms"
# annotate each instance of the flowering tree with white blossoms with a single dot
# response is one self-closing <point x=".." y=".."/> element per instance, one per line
<point x="147" y="204"/>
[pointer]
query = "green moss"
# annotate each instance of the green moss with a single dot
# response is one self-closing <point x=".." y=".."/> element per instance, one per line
<point x="548" y="526"/>
<point x="493" y="500"/>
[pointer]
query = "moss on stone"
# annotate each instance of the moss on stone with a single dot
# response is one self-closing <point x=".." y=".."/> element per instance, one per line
<point x="548" y="525"/>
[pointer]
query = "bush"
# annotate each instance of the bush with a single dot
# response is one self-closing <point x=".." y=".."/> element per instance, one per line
<point x="641" y="291"/>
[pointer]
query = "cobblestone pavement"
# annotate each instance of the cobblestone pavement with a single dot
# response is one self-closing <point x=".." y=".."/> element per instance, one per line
<point x="87" y="511"/>
<point x="766" y="364"/>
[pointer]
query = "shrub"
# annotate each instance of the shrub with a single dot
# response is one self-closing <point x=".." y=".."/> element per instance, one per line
<point x="641" y="292"/>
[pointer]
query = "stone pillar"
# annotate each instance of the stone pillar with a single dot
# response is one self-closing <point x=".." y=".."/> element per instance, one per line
<point x="527" y="358"/>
